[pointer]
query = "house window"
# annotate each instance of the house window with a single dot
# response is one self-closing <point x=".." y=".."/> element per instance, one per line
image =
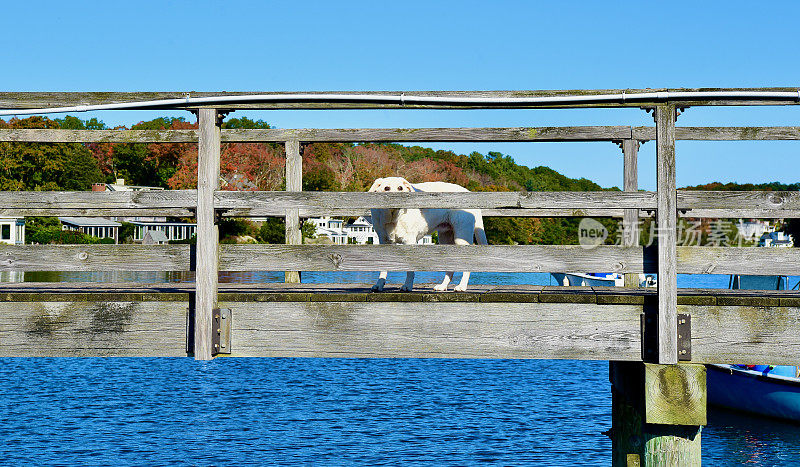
<point x="5" y="232"/>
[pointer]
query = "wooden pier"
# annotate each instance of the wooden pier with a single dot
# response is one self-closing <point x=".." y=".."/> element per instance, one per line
<point x="657" y="340"/>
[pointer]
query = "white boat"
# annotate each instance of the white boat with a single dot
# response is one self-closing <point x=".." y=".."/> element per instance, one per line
<point x="611" y="279"/>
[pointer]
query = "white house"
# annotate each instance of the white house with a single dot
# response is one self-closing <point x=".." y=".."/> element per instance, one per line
<point x="359" y="231"/>
<point x="12" y="230"/>
<point x="170" y="230"/>
<point x="776" y="240"/>
<point x="94" y="226"/>
<point x="753" y="229"/>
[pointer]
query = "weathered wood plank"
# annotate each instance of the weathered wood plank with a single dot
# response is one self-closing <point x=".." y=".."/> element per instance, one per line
<point x="630" y="219"/>
<point x="723" y="133"/>
<point x="744" y="334"/>
<point x="105" y="203"/>
<point x="541" y="134"/>
<point x="310" y="135"/>
<point x="94" y="257"/>
<point x="274" y="203"/>
<point x="208" y="158"/>
<point x="666" y="223"/>
<point x="443" y="330"/>
<point x="492" y="258"/>
<point x="294" y="183"/>
<point x="731" y="260"/>
<point x="99" y="136"/>
<point x="92" y="329"/>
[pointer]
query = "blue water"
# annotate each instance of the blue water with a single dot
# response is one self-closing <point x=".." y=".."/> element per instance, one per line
<point x="137" y="411"/>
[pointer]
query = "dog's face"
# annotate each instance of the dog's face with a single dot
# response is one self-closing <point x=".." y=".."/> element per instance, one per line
<point x="398" y="184"/>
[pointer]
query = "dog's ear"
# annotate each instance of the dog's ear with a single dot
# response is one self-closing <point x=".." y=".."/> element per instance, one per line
<point x="407" y="185"/>
<point x="376" y="185"/>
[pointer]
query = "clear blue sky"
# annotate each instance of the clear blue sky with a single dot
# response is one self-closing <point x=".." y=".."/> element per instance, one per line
<point x="464" y="45"/>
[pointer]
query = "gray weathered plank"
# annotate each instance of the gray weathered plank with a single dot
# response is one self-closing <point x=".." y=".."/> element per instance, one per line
<point x="98" y="136"/>
<point x="491" y="258"/>
<point x="723" y="133"/>
<point x="105" y="203"/>
<point x="443" y="330"/>
<point x="294" y="183"/>
<point x="742" y="334"/>
<point x="541" y="134"/>
<point x="731" y="260"/>
<point x="630" y="182"/>
<point x="276" y="202"/>
<point x="666" y="223"/>
<point x="208" y="157"/>
<point x="92" y="329"/>
<point x="310" y="135"/>
<point x="94" y="257"/>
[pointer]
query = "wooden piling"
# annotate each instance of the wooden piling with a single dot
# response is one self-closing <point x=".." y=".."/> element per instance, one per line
<point x="208" y="154"/>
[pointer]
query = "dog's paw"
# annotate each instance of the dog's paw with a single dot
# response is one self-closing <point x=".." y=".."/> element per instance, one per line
<point x="406" y="288"/>
<point x="377" y="288"/>
<point x="440" y="288"/>
<point x="460" y="288"/>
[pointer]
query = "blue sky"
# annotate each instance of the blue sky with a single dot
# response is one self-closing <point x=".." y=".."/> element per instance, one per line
<point x="407" y="46"/>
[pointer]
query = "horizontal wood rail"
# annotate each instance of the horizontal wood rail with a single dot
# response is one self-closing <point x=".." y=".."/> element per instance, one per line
<point x="181" y="203"/>
<point x="491" y="258"/>
<point x="518" y="134"/>
<point x="334" y="320"/>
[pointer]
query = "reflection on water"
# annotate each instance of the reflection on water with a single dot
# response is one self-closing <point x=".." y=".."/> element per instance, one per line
<point x="706" y="281"/>
<point x="732" y="438"/>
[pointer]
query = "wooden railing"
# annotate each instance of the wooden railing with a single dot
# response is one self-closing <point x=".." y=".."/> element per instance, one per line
<point x="666" y="203"/>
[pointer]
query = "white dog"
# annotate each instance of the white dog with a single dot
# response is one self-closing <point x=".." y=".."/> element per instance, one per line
<point x="408" y="226"/>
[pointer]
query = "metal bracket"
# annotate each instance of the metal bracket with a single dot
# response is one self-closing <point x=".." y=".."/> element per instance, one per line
<point x="221" y="331"/>
<point x="649" y="328"/>
<point x="684" y="337"/>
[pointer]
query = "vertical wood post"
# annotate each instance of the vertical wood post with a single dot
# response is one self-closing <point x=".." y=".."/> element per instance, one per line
<point x="630" y="219"/>
<point x="294" y="182"/>
<point x="667" y="204"/>
<point x="208" y="153"/>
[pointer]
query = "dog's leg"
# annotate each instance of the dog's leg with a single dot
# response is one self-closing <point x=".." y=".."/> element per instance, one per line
<point x="383" y="239"/>
<point x="464" y="233"/>
<point x="409" y="284"/>
<point x="378" y="287"/>
<point x="445" y="238"/>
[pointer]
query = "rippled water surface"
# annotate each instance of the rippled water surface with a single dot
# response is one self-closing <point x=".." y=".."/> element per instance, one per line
<point x="337" y="411"/>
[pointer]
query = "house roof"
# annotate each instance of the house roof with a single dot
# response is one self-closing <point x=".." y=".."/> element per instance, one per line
<point x="156" y="236"/>
<point x="89" y="221"/>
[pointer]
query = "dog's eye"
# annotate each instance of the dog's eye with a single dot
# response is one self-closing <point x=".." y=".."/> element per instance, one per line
<point x="399" y="188"/>
<point x="387" y="188"/>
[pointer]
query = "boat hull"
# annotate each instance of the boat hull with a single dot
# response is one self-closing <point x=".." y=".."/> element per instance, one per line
<point x="754" y="392"/>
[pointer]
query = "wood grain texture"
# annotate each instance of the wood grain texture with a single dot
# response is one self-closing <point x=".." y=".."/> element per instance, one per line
<point x="311" y="135"/>
<point x="94" y="257"/>
<point x="630" y="219"/>
<point x="99" y="136"/>
<point x="92" y="329"/>
<point x="294" y="183"/>
<point x="442" y="330"/>
<point x="490" y="258"/>
<point x="744" y="334"/>
<point x="723" y="133"/>
<point x="666" y="224"/>
<point x="541" y="134"/>
<point x="207" y="233"/>
<point x="271" y="203"/>
<point x="729" y="260"/>
<point x="105" y="203"/>
<point x="675" y="394"/>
